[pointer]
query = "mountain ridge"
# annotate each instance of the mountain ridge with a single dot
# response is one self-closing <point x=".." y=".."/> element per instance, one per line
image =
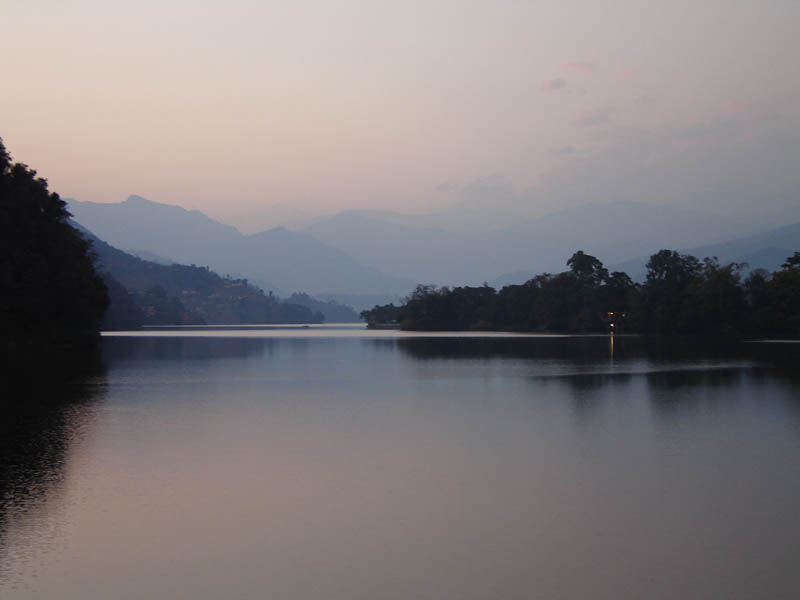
<point x="766" y="249"/>
<point x="615" y="231"/>
<point x="276" y="259"/>
<point x="363" y="252"/>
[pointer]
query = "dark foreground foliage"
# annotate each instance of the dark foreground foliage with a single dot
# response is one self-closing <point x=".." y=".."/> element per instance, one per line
<point x="51" y="295"/>
<point x="681" y="295"/>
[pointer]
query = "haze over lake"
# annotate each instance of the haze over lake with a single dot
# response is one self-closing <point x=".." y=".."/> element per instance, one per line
<point x="325" y="462"/>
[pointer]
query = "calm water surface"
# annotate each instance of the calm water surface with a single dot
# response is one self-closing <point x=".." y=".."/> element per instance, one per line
<point x="333" y="463"/>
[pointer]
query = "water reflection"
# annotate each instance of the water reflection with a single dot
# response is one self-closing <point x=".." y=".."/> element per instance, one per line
<point x="590" y="349"/>
<point x="597" y="352"/>
<point x="584" y="388"/>
<point x="116" y="349"/>
<point x="680" y="374"/>
<point x="350" y="468"/>
<point x="42" y="419"/>
<point x="579" y="350"/>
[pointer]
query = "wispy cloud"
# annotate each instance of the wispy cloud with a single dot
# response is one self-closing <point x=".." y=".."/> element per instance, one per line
<point x="554" y="85"/>
<point x="644" y="100"/>
<point x="595" y="117"/>
<point x="715" y="129"/>
<point x="734" y="107"/>
<point x="447" y="187"/>
<point x="562" y="150"/>
<point x="581" y="66"/>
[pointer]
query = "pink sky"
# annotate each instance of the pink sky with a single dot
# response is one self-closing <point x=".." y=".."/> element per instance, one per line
<point x="239" y="107"/>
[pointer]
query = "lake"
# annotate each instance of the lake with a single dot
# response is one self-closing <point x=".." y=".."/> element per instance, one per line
<point x="336" y="463"/>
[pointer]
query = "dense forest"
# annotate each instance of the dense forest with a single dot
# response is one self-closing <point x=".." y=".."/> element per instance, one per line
<point x="681" y="295"/>
<point x="147" y="293"/>
<point x="143" y="292"/>
<point x="51" y="294"/>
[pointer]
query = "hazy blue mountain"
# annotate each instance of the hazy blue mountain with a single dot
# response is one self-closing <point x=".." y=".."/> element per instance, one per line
<point x="454" y="219"/>
<point x="764" y="250"/>
<point x="277" y="260"/>
<point x="515" y="278"/>
<point x="144" y="292"/>
<point x="333" y="311"/>
<point x="613" y="232"/>
<point x="377" y="253"/>
<point x="786" y="238"/>
<point x="361" y="302"/>
<point x="145" y="255"/>
<point x="300" y="262"/>
<point x="137" y="224"/>
<point x="422" y="255"/>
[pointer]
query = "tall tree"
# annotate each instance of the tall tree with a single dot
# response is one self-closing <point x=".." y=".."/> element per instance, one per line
<point x="669" y="275"/>
<point x="587" y="269"/>
<point x="783" y="292"/>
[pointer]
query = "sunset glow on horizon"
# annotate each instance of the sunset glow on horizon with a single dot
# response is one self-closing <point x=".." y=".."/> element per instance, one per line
<point x="314" y="107"/>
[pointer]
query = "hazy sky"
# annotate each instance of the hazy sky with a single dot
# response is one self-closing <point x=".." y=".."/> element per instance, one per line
<point x="237" y="106"/>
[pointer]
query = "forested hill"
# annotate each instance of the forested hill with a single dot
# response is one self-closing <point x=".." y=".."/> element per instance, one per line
<point x="147" y="293"/>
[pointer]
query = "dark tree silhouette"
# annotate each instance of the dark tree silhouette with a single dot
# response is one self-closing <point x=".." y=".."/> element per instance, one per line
<point x="682" y="295"/>
<point x="665" y="304"/>
<point x="51" y="292"/>
<point x="783" y="294"/>
<point x="793" y="262"/>
<point x="587" y="269"/>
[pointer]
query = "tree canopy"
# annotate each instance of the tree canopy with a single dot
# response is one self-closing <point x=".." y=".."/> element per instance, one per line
<point x="51" y="292"/>
<point x="681" y="295"/>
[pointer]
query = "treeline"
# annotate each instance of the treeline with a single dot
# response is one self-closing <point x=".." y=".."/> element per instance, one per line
<point x="681" y="295"/>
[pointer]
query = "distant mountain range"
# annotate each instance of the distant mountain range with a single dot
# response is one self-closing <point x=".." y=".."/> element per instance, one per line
<point x="380" y="256"/>
<point x="277" y="260"/>
<point x="612" y="232"/>
<point x="764" y="250"/>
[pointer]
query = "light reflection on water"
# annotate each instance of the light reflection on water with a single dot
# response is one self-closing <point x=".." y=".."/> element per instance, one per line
<point x="311" y="465"/>
<point x="327" y="330"/>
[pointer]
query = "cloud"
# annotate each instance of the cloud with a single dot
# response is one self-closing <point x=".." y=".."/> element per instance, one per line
<point x="581" y="66"/>
<point x="733" y="108"/>
<point x="712" y="130"/>
<point x="562" y="150"/>
<point x="490" y="186"/>
<point x="644" y="100"/>
<point x="687" y="164"/>
<point x="592" y="118"/>
<point x="447" y="187"/>
<point x="553" y="85"/>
